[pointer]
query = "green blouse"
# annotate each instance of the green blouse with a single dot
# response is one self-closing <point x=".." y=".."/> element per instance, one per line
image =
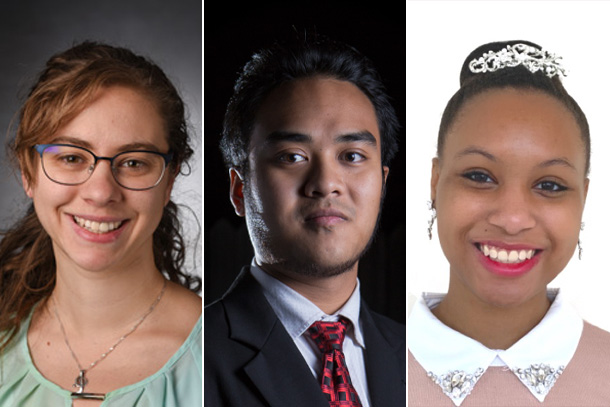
<point x="177" y="384"/>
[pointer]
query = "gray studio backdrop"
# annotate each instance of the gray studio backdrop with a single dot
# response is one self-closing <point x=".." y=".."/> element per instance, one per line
<point x="168" y="32"/>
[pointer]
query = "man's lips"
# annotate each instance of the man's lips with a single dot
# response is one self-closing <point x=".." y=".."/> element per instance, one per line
<point x="325" y="217"/>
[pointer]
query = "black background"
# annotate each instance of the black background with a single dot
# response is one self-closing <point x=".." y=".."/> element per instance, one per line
<point x="231" y="34"/>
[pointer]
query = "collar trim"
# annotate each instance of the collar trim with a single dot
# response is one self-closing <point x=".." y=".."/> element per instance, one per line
<point x="456" y="362"/>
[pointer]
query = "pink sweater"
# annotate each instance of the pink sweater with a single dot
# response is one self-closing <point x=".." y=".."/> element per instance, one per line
<point x="585" y="382"/>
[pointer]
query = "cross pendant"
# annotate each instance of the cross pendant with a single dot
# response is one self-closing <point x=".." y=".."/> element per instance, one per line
<point x="80" y="382"/>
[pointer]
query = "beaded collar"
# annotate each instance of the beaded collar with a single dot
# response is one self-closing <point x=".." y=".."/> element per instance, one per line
<point x="456" y="362"/>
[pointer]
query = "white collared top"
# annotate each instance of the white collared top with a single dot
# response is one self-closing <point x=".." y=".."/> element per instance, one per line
<point x="297" y="314"/>
<point x="456" y="362"/>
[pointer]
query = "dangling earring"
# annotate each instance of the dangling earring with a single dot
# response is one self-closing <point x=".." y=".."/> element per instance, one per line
<point x="432" y="219"/>
<point x="582" y="227"/>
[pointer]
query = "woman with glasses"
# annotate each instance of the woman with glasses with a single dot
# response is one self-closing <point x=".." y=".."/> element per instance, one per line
<point x="94" y="306"/>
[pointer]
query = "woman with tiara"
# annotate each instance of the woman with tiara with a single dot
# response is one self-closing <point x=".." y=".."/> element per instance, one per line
<point x="95" y="308"/>
<point x="508" y="190"/>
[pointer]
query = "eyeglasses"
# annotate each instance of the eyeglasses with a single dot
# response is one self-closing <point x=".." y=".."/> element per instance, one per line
<point x="137" y="170"/>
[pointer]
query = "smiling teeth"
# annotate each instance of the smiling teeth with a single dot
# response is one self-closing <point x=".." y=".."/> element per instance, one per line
<point x="506" y="256"/>
<point x="97" y="227"/>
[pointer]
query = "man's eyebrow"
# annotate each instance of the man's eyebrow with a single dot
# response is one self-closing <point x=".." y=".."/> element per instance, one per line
<point x="295" y="137"/>
<point x="287" y="136"/>
<point x="359" y="137"/>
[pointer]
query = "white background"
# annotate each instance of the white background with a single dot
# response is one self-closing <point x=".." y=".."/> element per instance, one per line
<point x="440" y="34"/>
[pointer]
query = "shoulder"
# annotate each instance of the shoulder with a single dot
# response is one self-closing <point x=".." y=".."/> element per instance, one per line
<point x="595" y="342"/>
<point x="393" y="331"/>
<point x="583" y="381"/>
<point x="179" y="314"/>
<point x="596" y="333"/>
<point x="215" y="318"/>
<point x="18" y="382"/>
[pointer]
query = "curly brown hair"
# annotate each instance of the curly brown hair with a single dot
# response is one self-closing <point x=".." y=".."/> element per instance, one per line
<point x="69" y="82"/>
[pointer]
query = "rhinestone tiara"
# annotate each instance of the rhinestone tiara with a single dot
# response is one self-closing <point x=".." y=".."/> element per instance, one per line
<point x="530" y="57"/>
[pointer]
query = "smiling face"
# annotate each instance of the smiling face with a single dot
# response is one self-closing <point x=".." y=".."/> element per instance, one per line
<point x="99" y="225"/>
<point x="509" y="192"/>
<point x="313" y="190"/>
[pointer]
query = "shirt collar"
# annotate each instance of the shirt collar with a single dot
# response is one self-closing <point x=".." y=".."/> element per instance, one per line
<point x="456" y="362"/>
<point x="297" y="313"/>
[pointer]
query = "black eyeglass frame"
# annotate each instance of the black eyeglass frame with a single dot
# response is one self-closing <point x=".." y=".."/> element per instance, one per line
<point x="167" y="158"/>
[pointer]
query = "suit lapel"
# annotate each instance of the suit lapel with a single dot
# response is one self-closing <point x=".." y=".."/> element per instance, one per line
<point x="385" y="376"/>
<point x="278" y="369"/>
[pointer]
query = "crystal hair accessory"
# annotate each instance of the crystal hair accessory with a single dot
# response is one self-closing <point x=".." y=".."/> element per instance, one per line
<point x="530" y="57"/>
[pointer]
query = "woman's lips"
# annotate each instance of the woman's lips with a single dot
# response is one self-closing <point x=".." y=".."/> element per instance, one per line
<point x="506" y="255"/>
<point x="97" y="226"/>
<point x="508" y="260"/>
<point x="98" y="229"/>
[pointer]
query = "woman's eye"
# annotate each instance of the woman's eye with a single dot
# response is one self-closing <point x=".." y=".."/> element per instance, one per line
<point x="478" y="177"/>
<point x="133" y="164"/>
<point x="71" y="159"/>
<point x="550" y="186"/>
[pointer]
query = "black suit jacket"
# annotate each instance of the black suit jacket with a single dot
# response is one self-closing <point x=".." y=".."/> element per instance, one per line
<point x="250" y="360"/>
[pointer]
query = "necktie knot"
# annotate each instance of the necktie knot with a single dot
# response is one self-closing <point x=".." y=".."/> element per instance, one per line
<point x="328" y="336"/>
<point x="336" y="383"/>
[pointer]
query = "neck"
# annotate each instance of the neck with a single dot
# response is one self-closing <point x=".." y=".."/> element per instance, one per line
<point x="496" y="327"/>
<point x="98" y="300"/>
<point x="327" y="293"/>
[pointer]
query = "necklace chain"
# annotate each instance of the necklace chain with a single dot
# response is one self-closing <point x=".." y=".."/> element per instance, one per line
<point x="81" y="381"/>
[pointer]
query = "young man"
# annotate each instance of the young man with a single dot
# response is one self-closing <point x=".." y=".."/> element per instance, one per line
<point x="308" y="137"/>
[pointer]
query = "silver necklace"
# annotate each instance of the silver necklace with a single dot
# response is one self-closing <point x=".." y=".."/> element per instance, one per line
<point x="81" y="380"/>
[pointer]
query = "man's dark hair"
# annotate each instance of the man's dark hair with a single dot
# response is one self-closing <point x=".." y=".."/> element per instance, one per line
<point x="518" y="77"/>
<point x="304" y="57"/>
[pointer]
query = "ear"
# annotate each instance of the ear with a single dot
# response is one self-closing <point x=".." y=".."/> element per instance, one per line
<point x="27" y="187"/>
<point x="236" y="191"/>
<point x="586" y="188"/>
<point x="169" y="187"/>
<point x="436" y="170"/>
<point x="386" y="171"/>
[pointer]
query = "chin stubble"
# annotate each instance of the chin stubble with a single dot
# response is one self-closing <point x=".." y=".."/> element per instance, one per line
<point x="259" y="232"/>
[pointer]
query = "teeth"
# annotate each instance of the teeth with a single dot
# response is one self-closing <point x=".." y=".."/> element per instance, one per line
<point x="506" y="256"/>
<point x="97" y="227"/>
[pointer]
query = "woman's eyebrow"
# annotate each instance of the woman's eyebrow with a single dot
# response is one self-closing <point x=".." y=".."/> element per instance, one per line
<point x="561" y="161"/>
<point x="72" y="140"/>
<point x="125" y="147"/>
<point x="476" y="150"/>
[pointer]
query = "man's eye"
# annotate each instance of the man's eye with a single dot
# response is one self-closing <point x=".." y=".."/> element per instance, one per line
<point x="353" y="157"/>
<point x="291" y="158"/>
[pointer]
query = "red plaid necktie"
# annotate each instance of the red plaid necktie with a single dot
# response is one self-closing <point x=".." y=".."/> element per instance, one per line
<point x="336" y="383"/>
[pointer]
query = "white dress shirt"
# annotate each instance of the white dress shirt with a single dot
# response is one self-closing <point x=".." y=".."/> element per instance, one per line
<point x="297" y="314"/>
<point x="444" y="352"/>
